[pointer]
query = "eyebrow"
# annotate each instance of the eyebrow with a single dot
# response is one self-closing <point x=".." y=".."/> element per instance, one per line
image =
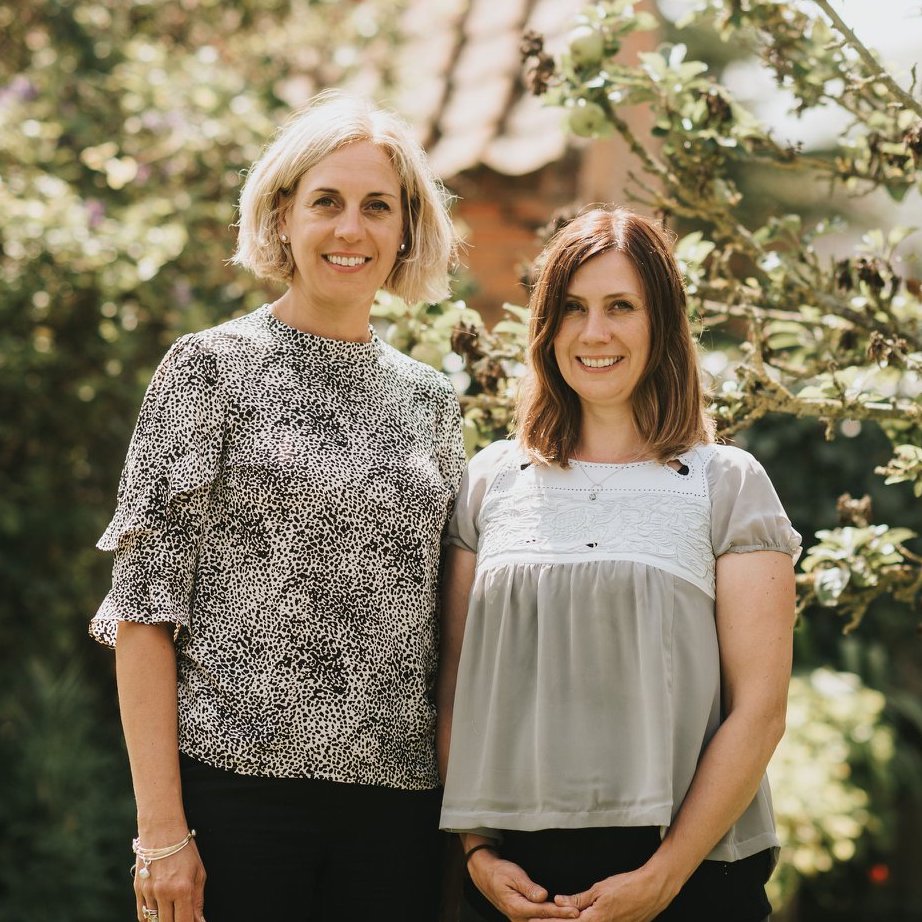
<point x="614" y="294"/>
<point x="367" y="194"/>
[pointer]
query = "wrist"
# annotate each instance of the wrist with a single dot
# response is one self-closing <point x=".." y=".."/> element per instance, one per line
<point x="480" y="854"/>
<point x="147" y="855"/>
<point x="669" y="878"/>
<point x="155" y="832"/>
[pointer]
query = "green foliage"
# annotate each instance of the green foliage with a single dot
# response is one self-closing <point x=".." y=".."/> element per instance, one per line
<point x="485" y="364"/>
<point x="835" y="338"/>
<point x="905" y="467"/>
<point x="60" y="821"/>
<point x="857" y="559"/>
<point x="838" y="747"/>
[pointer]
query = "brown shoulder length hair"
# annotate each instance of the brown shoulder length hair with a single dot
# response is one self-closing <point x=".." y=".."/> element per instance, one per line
<point x="669" y="401"/>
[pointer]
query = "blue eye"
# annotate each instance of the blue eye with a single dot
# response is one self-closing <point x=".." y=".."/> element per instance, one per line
<point x="324" y="201"/>
<point x="378" y="205"/>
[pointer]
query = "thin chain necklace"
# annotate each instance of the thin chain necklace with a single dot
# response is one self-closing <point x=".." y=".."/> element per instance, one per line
<point x="597" y="484"/>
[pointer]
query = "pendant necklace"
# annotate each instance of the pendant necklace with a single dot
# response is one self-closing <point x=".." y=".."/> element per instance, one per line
<point x="597" y="484"/>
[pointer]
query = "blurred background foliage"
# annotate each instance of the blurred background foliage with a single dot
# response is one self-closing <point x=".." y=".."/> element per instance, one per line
<point x="124" y="128"/>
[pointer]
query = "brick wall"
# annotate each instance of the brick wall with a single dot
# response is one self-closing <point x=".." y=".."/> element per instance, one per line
<point x="500" y="217"/>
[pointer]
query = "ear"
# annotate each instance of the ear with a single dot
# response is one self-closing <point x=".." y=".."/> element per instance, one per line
<point x="284" y="207"/>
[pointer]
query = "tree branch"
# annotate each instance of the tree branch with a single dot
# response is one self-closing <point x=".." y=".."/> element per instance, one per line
<point x="870" y="61"/>
<point x="763" y="395"/>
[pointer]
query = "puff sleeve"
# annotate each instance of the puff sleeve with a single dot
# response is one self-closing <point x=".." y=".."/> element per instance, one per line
<point x="163" y="494"/>
<point x="746" y="513"/>
<point x="464" y="527"/>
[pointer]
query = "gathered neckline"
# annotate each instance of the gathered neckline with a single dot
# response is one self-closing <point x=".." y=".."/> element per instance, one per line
<point x="333" y="347"/>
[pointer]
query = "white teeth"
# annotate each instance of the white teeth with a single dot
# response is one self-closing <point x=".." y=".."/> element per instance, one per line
<point x="346" y="260"/>
<point x="600" y="363"/>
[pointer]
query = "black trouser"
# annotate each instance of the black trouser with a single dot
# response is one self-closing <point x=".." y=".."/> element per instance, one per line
<point x="313" y="851"/>
<point x="568" y="861"/>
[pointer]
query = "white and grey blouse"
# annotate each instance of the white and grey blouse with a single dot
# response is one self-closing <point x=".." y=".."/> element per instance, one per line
<point x="283" y="503"/>
<point x="589" y="679"/>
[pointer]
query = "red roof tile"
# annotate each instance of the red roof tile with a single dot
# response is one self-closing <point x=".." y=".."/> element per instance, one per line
<point x="459" y="73"/>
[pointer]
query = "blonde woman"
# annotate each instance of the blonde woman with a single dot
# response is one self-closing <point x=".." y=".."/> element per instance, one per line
<point x="276" y="545"/>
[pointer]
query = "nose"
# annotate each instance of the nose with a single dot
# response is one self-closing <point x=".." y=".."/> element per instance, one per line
<point x="349" y="225"/>
<point x="597" y="328"/>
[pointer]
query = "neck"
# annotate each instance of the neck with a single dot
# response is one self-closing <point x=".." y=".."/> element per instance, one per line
<point x="610" y="438"/>
<point x="341" y="321"/>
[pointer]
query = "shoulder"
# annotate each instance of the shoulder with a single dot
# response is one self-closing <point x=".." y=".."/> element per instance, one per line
<point x="241" y="336"/>
<point x="723" y="460"/>
<point x="219" y="353"/>
<point x="480" y="475"/>
<point x="735" y="476"/>
<point x="418" y="373"/>
<point x="187" y="363"/>
<point x="495" y="457"/>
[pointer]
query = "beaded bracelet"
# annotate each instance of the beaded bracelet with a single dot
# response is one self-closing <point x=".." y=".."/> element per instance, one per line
<point x="470" y="851"/>
<point x="147" y="855"/>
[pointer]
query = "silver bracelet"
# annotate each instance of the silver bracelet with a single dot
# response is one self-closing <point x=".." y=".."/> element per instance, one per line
<point x="147" y="855"/>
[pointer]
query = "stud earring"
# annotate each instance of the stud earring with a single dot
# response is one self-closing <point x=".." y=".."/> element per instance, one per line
<point x="402" y="247"/>
<point x="283" y="238"/>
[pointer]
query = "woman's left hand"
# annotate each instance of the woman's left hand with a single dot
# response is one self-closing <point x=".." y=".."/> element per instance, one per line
<point x="635" y="896"/>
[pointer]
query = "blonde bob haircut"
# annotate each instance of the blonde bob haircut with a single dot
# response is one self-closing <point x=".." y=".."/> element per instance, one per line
<point x="668" y="401"/>
<point x="327" y="123"/>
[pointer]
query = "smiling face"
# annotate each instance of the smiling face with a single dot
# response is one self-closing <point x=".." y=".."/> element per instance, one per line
<point x="345" y="224"/>
<point x="603" y="342"/>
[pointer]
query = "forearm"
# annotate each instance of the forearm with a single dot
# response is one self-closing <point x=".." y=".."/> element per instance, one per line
<point x="445" y="701"/>
<point x="755" y="616"/>
<point x="725" y="782"/>
<point x="457" y="578"/>
<point x="442" y="741"/>
<point x="444" y="704"/>
<point x="146" y="673"/>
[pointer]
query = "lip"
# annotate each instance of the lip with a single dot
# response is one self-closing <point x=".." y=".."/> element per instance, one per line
<point x="581" y="361"/>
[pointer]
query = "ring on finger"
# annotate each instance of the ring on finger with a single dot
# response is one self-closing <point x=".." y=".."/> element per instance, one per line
<point x="150" y="914"/>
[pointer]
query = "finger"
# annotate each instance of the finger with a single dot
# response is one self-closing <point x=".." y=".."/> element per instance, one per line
<point x="578" y="901"/>
<point x="146" y="904"/>
<point x="188" y="907"/>
<point x="550" y="911"/>
<point x="150" y="911"/>
<point x="520" y="907"/>
<point x="181" y="907"/>
<point x="532" y="892"/>
<point x="176" y="910"/>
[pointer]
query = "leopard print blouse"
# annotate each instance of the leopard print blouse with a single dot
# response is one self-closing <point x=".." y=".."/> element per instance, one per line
<point x="282" y="504"/>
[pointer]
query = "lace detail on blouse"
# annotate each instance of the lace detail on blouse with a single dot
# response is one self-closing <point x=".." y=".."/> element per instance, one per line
<point x="547" y="515"/>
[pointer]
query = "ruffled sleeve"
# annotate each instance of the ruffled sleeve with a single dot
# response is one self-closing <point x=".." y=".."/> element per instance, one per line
<point x="746" y="513"/>
<point x="464" y="526"/>
<point x="173" y="459"/>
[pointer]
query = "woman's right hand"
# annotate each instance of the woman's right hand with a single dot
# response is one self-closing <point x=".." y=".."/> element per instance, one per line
<point x="512" y="891"/>
<point x="175" y="888"/>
